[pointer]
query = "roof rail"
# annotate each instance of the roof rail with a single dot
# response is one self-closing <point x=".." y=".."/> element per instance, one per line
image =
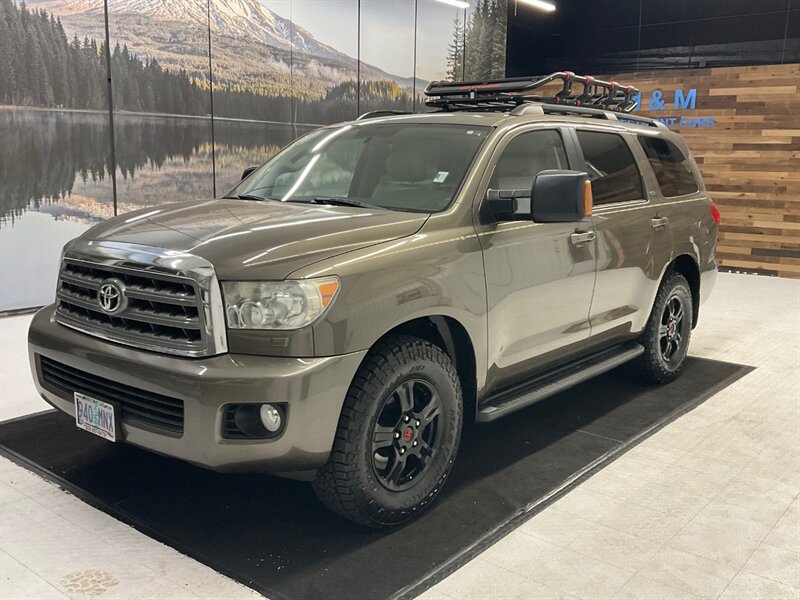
<point x="536" y="108"/>
<point x="506" y="94"/>
<point x="381" y="113"/>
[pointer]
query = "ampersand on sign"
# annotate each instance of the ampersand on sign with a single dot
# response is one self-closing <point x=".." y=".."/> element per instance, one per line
<point x="657" y="100"/>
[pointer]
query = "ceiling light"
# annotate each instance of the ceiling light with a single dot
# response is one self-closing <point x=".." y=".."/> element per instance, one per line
<point x="540" y="4"/>
<point x="456" y="3"/>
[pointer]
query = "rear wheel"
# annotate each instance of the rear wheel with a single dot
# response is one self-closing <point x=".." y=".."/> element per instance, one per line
<point x="666" y="336"/>
<point x="397" y="437"/>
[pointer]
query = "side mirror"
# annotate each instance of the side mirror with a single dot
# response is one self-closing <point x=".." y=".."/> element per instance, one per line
<point x="561" y="197"/>
<point x="247" y="171"/>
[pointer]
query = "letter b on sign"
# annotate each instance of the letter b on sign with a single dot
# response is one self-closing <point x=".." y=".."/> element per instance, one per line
<point x="687" y="101"/>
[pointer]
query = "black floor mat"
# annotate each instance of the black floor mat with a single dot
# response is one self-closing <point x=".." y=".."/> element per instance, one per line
<point x="272" y="534"/>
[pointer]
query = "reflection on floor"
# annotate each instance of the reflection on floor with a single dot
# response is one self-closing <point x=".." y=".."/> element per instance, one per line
<point x="707" y="507"/>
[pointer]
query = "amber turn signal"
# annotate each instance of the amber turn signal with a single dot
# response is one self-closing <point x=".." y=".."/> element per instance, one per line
<point x="587" y="198"/>
<point x="327" y="291"/>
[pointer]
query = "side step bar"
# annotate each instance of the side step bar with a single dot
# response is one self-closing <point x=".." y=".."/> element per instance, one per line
<point x="555" y="381"/>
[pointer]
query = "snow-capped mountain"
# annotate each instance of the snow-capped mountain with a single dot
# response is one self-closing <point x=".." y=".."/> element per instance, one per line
<point x="247" y="19"/>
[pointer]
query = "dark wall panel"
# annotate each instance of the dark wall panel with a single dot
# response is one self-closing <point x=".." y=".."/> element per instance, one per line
<point x="628" y="35"/>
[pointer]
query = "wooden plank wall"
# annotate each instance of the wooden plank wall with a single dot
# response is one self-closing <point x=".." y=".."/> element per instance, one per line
<point x="750" y="160"/>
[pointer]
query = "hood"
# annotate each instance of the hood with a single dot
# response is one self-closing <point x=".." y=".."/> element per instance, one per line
<point x="254" y="240"/>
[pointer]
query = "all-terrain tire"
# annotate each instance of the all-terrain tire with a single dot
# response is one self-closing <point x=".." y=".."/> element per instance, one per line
<point x="666" y="338"/>
<point x="350" y="484"/>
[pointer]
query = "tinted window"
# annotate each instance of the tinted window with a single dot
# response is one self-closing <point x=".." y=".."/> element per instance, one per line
<point x="523" y="158"/>
<point x="672" y="168"/>
<point x="611" y="168"/>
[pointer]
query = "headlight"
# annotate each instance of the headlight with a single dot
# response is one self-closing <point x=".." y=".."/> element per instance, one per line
<point x="277" y="304"/>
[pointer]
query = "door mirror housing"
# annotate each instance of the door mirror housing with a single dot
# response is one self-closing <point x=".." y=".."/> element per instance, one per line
<point x="247" y="171"/>
<point x="502" y="204"/>
<point x="561" y="197"/>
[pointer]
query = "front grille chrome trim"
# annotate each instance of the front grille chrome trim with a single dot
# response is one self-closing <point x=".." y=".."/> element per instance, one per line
<point x="179" y="283"/>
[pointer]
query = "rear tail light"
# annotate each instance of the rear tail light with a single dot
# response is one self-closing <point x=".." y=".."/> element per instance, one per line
<point x="715" y="213"/>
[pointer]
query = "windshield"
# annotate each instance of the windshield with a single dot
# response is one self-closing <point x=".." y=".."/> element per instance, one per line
<point x="398" y="166"/>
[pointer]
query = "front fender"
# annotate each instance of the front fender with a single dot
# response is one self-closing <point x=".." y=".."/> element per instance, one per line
<point x="384" y="286"/>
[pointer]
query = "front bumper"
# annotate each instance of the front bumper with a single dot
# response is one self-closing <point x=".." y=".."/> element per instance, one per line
<point x="313" y="388"/>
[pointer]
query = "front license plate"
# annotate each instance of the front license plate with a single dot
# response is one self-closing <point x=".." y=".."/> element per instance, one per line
<point x="95" y="416"/>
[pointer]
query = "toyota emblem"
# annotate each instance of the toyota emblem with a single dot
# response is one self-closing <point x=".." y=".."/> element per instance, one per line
<point x="111" y="296"/>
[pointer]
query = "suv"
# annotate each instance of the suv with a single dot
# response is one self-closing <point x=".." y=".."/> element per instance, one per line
<point x="353" y="301"/>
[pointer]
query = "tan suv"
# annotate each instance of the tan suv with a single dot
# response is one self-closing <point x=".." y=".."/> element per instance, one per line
<point x="351" y="302"/>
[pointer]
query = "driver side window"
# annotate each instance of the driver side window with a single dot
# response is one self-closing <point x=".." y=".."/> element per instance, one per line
<point x="524" y="157"/>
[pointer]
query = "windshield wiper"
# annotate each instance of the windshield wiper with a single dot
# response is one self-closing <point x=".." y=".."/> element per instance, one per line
<point x="247" y="197"/>
<point x="342" y="202"/>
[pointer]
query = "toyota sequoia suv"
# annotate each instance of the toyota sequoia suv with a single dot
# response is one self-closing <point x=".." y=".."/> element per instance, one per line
<point x="351" y="303"/>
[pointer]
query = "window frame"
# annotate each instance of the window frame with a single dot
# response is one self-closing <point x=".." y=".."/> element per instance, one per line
<point x="629" y="139"/>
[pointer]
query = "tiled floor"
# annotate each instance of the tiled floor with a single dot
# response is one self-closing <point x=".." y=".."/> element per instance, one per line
<point x="706" y="508"/>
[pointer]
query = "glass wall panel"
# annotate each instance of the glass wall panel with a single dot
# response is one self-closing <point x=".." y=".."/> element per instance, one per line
<point x="324" y="60"/>
<point x="440" y="42"/>
<point x="387" y="54"/>
<point x="251" y="54"/>
<point x="160" y="75"/>
<point x="54" y="159"/>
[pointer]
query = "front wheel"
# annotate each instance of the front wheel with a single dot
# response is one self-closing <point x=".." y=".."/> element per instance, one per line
<point x="666" y="336"/>
<point x="397" y="437"/>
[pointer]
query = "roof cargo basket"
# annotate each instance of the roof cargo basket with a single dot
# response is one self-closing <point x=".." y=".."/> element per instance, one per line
<point x="506" y="94"/>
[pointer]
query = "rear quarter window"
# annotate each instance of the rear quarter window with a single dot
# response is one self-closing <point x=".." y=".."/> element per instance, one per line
<point x="671" y="166"/>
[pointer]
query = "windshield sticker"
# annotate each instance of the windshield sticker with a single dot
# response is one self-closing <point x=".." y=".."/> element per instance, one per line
<point x="441" y="176"/>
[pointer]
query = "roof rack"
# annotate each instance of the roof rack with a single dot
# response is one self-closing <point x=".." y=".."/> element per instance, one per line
<point x="506" y="94"/>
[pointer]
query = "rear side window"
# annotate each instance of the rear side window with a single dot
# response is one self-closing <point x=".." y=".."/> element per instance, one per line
<point x="611" y="168"/>
<point x="672" y="168"/>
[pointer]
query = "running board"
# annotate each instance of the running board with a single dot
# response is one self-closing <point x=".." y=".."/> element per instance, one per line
<point x="555" y="381"/>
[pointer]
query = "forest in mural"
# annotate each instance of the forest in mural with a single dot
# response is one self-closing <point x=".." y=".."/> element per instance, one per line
<point x="41" y="67"/>
<point x="478" y="47"/>
<point x="273" y="68"/>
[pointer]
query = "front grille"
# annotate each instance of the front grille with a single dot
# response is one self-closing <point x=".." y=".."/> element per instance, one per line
<point x="163" y="312"/>
<point x="151" y="409"/>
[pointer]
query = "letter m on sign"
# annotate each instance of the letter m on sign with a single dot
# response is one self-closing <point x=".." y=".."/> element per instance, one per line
<point x="687" y="101"/>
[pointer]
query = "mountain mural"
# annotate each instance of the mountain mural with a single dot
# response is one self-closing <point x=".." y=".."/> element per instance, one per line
<point x="254" y="49"/>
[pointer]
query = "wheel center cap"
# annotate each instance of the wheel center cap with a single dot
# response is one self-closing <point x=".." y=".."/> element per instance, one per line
<point x="671" y="327"/>
<point x="408" y="434"/>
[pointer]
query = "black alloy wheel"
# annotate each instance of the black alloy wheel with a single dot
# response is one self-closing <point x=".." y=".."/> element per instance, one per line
<point x="404" y="437"/>
<point x="672" y="329"/>
<point x="397" y="436"/>
<point x="666" y="336"/>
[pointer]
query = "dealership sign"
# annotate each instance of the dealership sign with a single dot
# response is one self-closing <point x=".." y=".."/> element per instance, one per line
<point x="680" y="101"/>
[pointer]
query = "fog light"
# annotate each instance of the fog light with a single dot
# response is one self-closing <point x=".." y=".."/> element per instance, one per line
<point x="263" y="421"/>
<point x="270" y="417"/>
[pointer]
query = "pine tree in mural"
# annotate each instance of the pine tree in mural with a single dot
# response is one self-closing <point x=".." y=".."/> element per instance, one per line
<point x="455" y="52"/>
<point x="480" y="51"/>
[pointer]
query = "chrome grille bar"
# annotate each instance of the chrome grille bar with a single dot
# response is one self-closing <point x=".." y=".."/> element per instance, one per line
<point x="172" y="301"/>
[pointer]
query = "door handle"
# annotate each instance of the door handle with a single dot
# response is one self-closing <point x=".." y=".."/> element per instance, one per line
<point x="579" y="238"/>
<point x="658" y="222"/>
